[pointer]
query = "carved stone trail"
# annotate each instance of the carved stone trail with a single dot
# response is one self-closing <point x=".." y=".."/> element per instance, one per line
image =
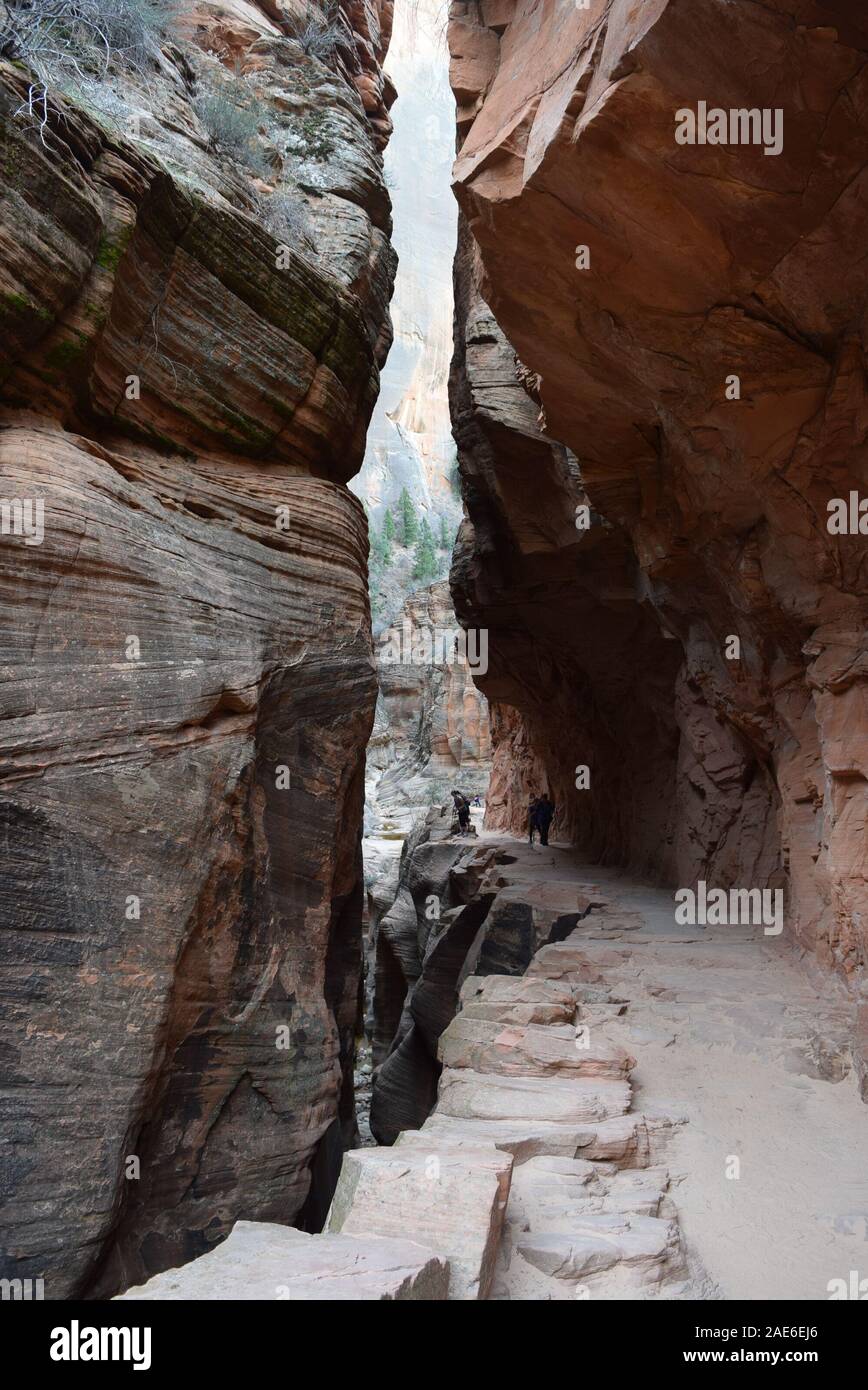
<point x="533" y="1177"/>
<point x="589" y="1114"/>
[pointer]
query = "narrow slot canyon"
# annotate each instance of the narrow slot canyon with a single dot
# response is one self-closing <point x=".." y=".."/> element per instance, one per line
<point x="433" y="524"/>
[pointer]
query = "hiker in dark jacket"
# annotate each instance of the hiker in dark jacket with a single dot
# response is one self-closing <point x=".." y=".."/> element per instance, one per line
<point x="463" y="812"/>
<point x="545" y="810"/>
<point x="532" y="825"/>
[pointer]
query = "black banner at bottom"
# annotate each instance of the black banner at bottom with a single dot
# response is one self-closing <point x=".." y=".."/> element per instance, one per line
<point x="256" y="1338"/>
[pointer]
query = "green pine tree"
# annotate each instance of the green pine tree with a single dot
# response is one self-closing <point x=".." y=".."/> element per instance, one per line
<point x="425" y="564"/>
<point x="388" y="527"/>
<point x="445" y="538"/>
<point x="408" y="525"/>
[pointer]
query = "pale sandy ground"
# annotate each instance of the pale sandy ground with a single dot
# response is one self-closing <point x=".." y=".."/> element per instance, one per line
<point x="727" y="1028"/>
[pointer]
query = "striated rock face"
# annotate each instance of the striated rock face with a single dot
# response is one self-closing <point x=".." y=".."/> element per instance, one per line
<point x="188" y="683"/>
<point x="708" y="498"/>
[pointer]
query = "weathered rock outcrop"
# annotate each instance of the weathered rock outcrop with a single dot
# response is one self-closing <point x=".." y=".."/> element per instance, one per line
<point x="259" y="1260"/>
<point x="438" y="876"/>
<point x="455" y="913"/>
<point x="452" y="1196"/>
<point x="188" y="682"/>
<point x="636" y="279"/>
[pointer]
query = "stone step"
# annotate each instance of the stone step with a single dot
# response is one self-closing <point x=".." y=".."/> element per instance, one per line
<point x="552" y="1194"/>
<point x="597" y="1243"/>
<point x="505" y="999"/>
<point x="473" y="1095"/>
<point x="564" y="961"/>
<point x="511" y="989"/>
<point x="622" y="1140"/>
<point x="259" y="1260"/>
<point x="448" y="1190"/>
<point x="531" y="1050"/>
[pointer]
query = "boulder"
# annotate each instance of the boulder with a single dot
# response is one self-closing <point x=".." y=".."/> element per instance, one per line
<point x="450" y="1194"/>
<point x="261" y="1261"/>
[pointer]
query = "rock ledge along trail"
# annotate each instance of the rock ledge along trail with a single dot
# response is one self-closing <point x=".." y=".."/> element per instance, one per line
<point x="588" y="1115"/>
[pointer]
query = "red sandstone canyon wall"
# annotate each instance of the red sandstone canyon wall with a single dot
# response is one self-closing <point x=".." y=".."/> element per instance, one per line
<point x="611" y="284"/>
<point x="188" y="685"/>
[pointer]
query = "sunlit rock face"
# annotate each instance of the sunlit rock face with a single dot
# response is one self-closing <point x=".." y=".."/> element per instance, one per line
<point x="188" y="679"/>
<point x="431" y="728"/>
<point x="410" y="441"/>
<point x="709" y="497"/>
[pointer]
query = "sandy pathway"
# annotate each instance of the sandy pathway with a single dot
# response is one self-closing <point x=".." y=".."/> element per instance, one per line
<point x="732" y="1035"/>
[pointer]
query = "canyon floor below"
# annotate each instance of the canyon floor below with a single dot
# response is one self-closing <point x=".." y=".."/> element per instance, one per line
<point x="650" y="1111"/>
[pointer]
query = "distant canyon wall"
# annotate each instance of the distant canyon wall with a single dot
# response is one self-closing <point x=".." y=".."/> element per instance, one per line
<point x="673" y="336"/>
<point x="188" y="369"/>
<point x="432" y="727"/>
<point x="410" y="441"/>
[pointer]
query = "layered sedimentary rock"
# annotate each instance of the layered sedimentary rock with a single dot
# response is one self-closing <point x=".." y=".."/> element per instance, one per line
<point x="568" y="1096"/>
<point x="438" y="875"/>
<point x="577" y="671"/>
<point x="188" y="681"/>
<point x="687" y="320"/>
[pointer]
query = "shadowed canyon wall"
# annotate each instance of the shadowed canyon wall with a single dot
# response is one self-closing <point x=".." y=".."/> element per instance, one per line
<point x="188" y="370"/>
<point x="611" y="284"/>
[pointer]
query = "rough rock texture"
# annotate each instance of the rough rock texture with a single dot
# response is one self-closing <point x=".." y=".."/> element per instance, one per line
<point x="420" y="949"/>
<point x="431" y="733"/>
<point x="534" y="1178"/>
<point x="589" y="1214"/>
<point x="263" y="1261"/>
<point x="578" y="672"/>
<point x="451" y="1196"/>
<point x="708" y="514"/>
<point x="187" y="675"/>
<point x="457" y="914"/>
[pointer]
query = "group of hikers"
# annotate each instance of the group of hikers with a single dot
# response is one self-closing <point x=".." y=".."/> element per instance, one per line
<point x="540" y="811"/>
<point x="462" y="810"/>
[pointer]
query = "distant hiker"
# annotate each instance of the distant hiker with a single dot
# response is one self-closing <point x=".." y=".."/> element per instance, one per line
<point x="463" y="811"/>
<point x="532" y="806"/>
<point x="545" y="810"/>
<point x="476" y="800"/>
